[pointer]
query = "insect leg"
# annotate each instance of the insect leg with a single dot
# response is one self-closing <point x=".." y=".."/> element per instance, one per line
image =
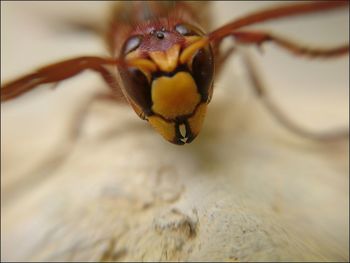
<point x="259" y="37"/>
<point x="78" y="119"/>
<point x="278" y="12"/>
<point x="260" y="90"/>
<point x="58" y="72"/>
<point x="54" y="160"/>
<point x="79" y="26"/>
<point x="222" y="57"/>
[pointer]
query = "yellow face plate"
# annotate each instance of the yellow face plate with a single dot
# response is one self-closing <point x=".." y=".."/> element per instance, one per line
<point x="174" y="96"/>
<point x="166" y="129"/>
<point x="166" y="60"/>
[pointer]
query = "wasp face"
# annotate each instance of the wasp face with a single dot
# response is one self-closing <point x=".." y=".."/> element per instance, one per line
<point x="168" y="80"/>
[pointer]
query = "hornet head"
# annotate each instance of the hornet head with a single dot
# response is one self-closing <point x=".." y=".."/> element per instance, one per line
<point x="168" y="78"/>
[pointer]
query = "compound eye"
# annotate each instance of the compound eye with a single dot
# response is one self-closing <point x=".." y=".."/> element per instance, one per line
<point x="203" y="72"/>
<point x="131" y="44"/>
<point x="188" y="30"/>
<point x="137" y="87"/>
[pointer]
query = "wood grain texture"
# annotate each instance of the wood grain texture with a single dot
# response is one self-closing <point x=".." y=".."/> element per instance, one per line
<point x="245" y="190"/>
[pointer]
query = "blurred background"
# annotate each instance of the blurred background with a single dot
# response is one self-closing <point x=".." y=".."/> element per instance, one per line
<point x="243" y="174"/>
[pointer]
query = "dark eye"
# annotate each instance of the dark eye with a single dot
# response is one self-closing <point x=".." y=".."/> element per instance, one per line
<point x="188" y="30"/>
<point x="203" y="71"/>
<point x="137" y="87"/>
<point x="131" y="44"/>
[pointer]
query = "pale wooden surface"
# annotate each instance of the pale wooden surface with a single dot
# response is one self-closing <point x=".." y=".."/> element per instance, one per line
<point x="245" y="189"/>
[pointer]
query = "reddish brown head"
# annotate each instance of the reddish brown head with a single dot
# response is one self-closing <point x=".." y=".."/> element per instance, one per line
<point x="168" y="78"/>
